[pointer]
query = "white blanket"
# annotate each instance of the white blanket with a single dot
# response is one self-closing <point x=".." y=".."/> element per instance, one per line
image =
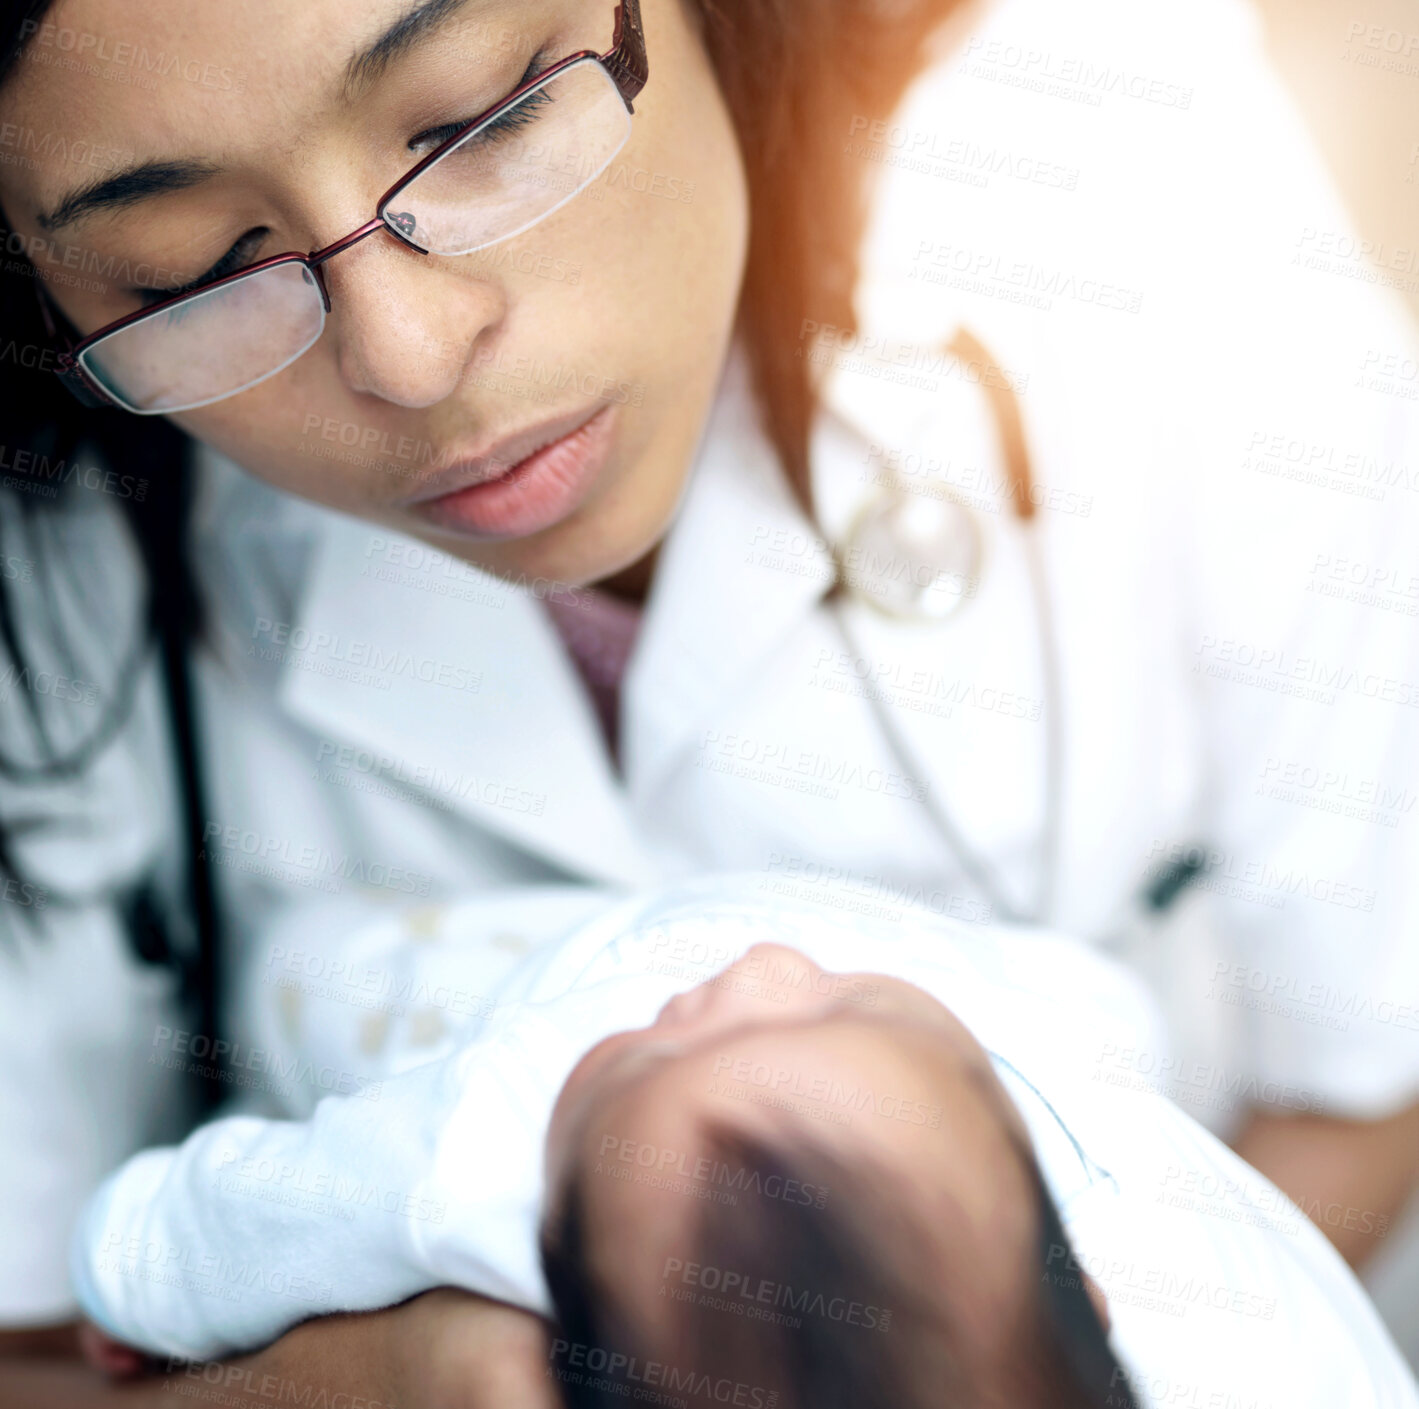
<point x="451" y="1052"/>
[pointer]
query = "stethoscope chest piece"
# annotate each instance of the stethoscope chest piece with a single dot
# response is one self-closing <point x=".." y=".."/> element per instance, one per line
<point x="913" y="556"/>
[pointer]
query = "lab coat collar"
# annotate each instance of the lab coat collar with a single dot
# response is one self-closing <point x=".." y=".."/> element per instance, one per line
<point x="740" y="567"/>
<point x="511" y="740"/>
<point x="480" y="705"/>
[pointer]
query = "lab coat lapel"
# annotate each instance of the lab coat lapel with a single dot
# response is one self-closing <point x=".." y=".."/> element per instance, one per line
<point x="462" y="681"/>
<point x="740" y="567"/>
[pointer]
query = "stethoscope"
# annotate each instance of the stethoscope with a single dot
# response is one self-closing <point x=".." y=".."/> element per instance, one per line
<point x="941" y="540"/>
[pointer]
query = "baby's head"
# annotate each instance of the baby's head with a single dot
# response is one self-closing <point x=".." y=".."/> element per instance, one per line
<point x="804" y="1190"/>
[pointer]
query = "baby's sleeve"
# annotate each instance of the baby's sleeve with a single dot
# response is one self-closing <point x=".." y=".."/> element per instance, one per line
<point x="224" y="1242"/>
<point x="250" y="1226"/>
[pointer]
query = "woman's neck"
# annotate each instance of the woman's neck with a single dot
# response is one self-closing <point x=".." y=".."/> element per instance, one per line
<point x="632" y="584"/>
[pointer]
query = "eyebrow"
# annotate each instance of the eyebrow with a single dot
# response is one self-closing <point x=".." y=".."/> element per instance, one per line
<point x="414" y="27"/>
<point x="126" y="188"/>
<point x="155" y="178"/>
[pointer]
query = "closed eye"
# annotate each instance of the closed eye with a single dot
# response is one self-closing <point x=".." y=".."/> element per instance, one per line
<point x="242" y="253"/>
<point x="505" y="125"/>
<point x="245" y="250"/>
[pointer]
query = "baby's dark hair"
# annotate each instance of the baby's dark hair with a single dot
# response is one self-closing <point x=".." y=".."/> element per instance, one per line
<point x="832" y="1306"/>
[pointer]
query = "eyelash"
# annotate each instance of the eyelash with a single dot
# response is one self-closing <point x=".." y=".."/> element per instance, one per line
<point x="234" y="259"/>
<point x="505" y="125"/>
<point x="238" y="255"/>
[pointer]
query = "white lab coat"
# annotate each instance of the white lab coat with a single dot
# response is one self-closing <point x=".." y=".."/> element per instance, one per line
<point x="1214" y="426"/>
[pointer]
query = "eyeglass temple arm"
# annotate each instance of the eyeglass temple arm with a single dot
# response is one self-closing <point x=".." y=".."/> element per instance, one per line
<point x="627" y="62"/>
<point x="69" y="372"/>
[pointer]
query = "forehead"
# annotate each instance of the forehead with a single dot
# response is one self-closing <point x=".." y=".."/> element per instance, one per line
<point x="104" y="84"/>
<point x="163" y="69"/>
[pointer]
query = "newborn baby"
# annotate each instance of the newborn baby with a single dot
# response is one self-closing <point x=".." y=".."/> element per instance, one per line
<point x="763" y="1153"/>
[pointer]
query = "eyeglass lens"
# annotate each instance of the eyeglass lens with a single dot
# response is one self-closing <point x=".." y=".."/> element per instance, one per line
<point x="502" y="178"/>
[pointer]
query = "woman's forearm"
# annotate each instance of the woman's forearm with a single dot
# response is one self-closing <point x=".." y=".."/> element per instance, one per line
<point x="1352" y="1178"/>
<point x="342" y="1362"/>
<point x="443" y="1349"/>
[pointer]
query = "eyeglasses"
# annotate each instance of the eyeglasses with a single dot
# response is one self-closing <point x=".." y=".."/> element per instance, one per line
<point x="501" y="173"/>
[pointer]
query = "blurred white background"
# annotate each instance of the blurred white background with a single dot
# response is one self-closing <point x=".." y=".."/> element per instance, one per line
<point x="1353" y="66"/>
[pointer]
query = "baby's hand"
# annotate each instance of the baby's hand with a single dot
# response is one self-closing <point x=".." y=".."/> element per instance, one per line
<point x="110" y="1357"/>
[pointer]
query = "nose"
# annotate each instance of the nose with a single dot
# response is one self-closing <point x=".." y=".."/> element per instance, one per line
<point x="405" y="325"/>
<point x="768" y="982"/>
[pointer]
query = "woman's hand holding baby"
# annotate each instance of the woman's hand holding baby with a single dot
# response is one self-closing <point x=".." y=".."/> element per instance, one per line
<point x="442" y="1350"/>
<point x="459" y="1351"/>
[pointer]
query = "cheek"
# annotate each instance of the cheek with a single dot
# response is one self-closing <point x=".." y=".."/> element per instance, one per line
<point x="299" y="433"/>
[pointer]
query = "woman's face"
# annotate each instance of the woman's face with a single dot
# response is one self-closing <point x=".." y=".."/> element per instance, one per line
<point x="621" y="302"/>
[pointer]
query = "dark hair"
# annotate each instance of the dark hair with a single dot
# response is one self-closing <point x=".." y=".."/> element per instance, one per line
<point x="859" y="1247"/>
<point x="800" y="78"/>
<point x="60" y="438"/>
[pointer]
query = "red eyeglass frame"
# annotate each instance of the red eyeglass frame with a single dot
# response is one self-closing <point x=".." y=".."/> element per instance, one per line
<point x="625" y="62"/>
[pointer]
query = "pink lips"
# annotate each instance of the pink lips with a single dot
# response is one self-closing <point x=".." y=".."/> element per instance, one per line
<point x="536" y="492"/>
